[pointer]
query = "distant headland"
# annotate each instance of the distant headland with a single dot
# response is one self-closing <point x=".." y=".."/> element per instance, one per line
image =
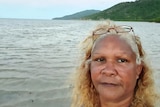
<point x="140" y="10"/>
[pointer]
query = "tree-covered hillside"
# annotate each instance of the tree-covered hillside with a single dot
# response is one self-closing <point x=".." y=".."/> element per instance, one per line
<point x="140" y="10"/>
<point x="77" y="15"/>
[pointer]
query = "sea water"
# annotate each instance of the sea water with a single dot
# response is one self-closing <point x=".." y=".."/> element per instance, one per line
<point x="37" y="58"/>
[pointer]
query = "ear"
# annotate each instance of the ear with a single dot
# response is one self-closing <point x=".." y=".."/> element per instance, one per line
<point x="139" y="70"/>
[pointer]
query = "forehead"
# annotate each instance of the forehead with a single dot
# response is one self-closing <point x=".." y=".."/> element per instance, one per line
<point x="112" y="42"/>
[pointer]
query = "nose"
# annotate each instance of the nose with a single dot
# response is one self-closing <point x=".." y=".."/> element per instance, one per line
<point x="109" y="69"/>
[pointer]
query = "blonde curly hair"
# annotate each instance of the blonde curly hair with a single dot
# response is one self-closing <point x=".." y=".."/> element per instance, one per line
<point x="84" y="93"/>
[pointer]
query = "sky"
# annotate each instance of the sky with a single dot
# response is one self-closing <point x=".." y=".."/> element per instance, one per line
<point x="48" y="9"/>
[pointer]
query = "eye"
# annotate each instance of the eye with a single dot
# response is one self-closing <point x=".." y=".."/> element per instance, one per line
<point x="100" y="59"/>
<point x="122" y="60"/>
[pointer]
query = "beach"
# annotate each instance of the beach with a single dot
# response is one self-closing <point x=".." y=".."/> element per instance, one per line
<point x="38" y="58"/>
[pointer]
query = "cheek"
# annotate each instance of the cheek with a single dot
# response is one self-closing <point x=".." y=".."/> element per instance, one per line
<point x="95" y="71"/>
<point x="128" y="75"/>
<point x="129" y="70"/>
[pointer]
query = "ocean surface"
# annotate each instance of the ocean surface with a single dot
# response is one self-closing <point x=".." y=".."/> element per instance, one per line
<point x="37" y="58"/>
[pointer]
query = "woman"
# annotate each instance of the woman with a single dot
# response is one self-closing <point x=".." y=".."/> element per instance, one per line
<point x="114" y="71"/>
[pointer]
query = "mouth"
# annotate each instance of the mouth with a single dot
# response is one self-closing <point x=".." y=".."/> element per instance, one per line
<point x="109" y="84"/>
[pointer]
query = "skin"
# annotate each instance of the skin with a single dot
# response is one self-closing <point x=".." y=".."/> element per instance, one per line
<point x="114" y="71"/>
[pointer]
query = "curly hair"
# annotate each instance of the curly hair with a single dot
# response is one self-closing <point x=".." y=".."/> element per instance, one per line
<point x="84" y="93"/>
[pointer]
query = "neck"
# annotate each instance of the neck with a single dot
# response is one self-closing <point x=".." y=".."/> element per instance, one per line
<point x="123" y="103"/>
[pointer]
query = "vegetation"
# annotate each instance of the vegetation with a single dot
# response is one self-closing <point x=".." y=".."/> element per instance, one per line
<point x="140" y="10"/>
<point x="77" y="15"/>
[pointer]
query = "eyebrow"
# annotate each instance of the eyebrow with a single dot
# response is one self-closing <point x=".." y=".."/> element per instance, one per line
<point x="120" y="53"/>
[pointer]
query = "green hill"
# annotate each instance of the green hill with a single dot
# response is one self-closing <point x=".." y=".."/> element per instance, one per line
<point x="77" y="15"/>
<point x="140" y="10"/>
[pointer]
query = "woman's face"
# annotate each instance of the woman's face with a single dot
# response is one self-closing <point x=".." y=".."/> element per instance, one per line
<point x="114" y="71"/>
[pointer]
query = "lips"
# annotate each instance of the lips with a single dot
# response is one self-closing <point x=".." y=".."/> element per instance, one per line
<point x="108" y="84"/>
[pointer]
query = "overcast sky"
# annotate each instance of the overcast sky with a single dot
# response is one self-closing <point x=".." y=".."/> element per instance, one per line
<point x="48" y="9"/>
